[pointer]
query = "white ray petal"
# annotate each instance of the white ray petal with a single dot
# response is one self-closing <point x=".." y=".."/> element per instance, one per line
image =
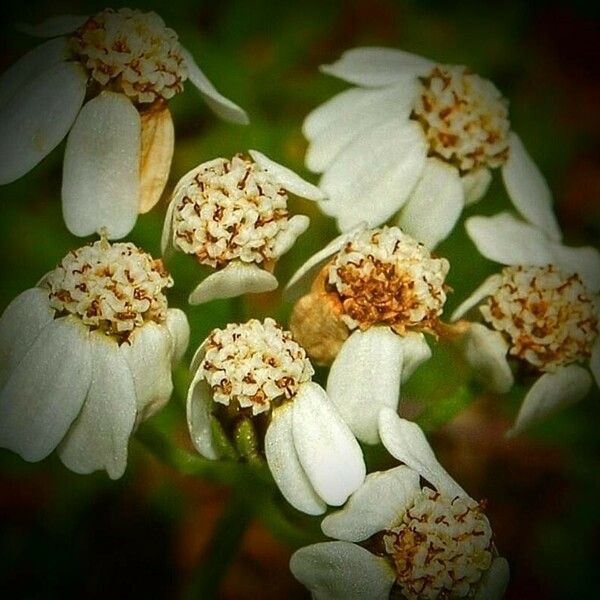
<point x="37" y="117"/>
<point x="551" y="393"/>
<point x="54" y="26"/>
<point x="99" y="436"/>
<point x="375" y="506"/>
<point x="328" y="452"/>
<point x="166" y="238"/>
<point x="495" y="581"/>
<point x="44" y="393"/>
<point x="371" y="178"/>
<point x="342" y="571"/>
<point x="415" y="351"/>
<point x="101" y="174"/>
<point x="221" y="106"/>
<point x="236" y="279"/>
<point x="285" y="465"/>
<point x="487" y="288"/>
<point x="475" y="184"/>
<point x="377" y="66"/>
<point x="179" y="328"/>
<point x="365" y="377"/>
<point x="406" y="442"/>
<point x="528" y="189"/>
<point x="434" y="205"/>
<point x="296" y="226"/>
<point x="286" y="178"/>
<point x="595" y="361"/>
<point x="198" y="356"/>
<point x="198" y="417"/>
<point x="585" y="261"/>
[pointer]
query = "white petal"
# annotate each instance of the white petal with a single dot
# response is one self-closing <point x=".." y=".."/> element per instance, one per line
<point x="285" y="465"/>
<point x="528" y="189"/>
<point x="342" y="571"/>
<point x="406" y="442"/>
<point x="37" y="118"/>
<point x="487" y="288"/>
<point x="376" y="505"/>
<point x="101" y="175"/>
<point x="236" y="279"/>
<point x="340" y="122"/>
<point x="373" y="176"/>
<point x="486" y="351"/>
<point x="22" y="322"/>
<point x="296" y="226"/>
<point x="54" y="26"/>
<point x="506" y="240"/>
<point x="147" y="354"/>
<point x="45" y="392"/>
<point x="198" y="416"/>
<point x="435" y="204"/>
<point x="595" y="361"/>
<point x="328" y="452"/>
<point x="221" y="106"/>
<point x="551" y="393"/>
<point x="198" y="356"/>
<point x="364" y="377"/>
<point x="99" y="436"/>
<point x="179" y="328"/>
<point x="30" y="66"/>
<point x="377" y="66"/>
<point x="286" y="178"/>
<point x="415" y="351"/>
<point x="585" y="261"/>
<point x="166" y="239"/>
<point x="495" y="581"/>
<point x="475" y="184"/>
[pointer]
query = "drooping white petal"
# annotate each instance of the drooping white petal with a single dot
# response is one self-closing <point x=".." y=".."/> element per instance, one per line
<point x="101" y="174"/>
<point x="286" y="178"/>
<point x="415" y="351"/>
<point x="35" y="119"/>
<point x="585" y="261"/>
<point x="372" y="177"/>
<point x="338" y="123"/>
<point x="377" y="66"/>
<point x="342" y="571"/>
<point x="54" y="26"/>
<point x="328" y="452"/>
<point x="21" y="323"/>
<point x="487" y="288"/>
<point x="147" y="354"/>
<point x="475" y="184"/>
<point x="30" y="66"/>
<point x="495" y="581"/>
<point x="595" y="361"/>
<point x="375" y="506"/>
<point x="434" y="205"/>
<point x="406" y="442"/>
<point x="236" y="279"/>
<point x="179" y="328"/>
<point x="285" y="466"/>
<point x="166" y="238"/>
<point x="296" y="226"/>
<point x="198" y="356"/>
<point x="528" y="189"/>
<point x="551" y="393"/>
<point x="44" y="393"/>
<point x="486" y="351"/>
<point x="221" y="106"/>
<point x="99" y="436"/>
<point x="365" y="377"/>
<point x="506" y="240"/>
<point x="198" y="417"/>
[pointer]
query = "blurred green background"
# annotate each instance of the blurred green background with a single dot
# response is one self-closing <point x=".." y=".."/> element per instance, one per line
<point x="163" y="534"/>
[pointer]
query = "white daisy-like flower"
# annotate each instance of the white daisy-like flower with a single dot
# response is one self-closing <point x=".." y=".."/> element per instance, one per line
<point x="543" y="311"/>
<point x="86" y="355"/>
<point x="106" y="78"/>
<point x="256" y="373"/>
<point x="374" y="292"/>
<point x="418" y="140"/>
<point x="232" y="216"/>
<point x="399" y="538"/>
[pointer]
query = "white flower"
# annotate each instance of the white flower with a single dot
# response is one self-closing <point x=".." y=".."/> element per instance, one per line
<point x="86" y="355"/>
<point x="398" y="537"/>
<point x="127" y="64"/>
<point x="255" y="372"/>
<point x="232" y="216"/>
<point x="375" y="293"/>
<point x="542" y="310"/>
<point x="418" y="138"/>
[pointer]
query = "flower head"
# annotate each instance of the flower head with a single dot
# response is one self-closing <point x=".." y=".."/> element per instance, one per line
<point x="106" y="83"/>
<point x="254" y="380"/>
<point x="87" y="355"/>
